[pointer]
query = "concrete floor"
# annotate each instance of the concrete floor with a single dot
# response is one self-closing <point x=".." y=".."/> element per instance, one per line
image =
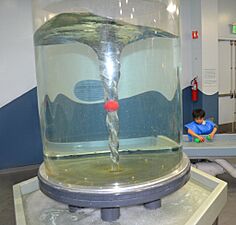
<point x="7" y="217"/>
<point x="7" y="180"/>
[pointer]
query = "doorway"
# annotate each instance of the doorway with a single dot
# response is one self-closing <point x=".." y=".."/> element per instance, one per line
<point x="227" y="86"/>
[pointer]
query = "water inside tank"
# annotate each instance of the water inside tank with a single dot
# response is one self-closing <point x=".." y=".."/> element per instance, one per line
<point x="83" y="61"/>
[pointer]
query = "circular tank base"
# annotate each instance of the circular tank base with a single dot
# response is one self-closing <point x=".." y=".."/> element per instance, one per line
<point x="111" y="200"/>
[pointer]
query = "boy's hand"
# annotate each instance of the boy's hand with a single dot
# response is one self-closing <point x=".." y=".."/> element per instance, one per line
<point x="202" y="139"/>
<point x="211" y="135"/>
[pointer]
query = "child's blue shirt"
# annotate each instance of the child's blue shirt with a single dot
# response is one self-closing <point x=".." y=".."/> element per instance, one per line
<point x="200" y="129"/>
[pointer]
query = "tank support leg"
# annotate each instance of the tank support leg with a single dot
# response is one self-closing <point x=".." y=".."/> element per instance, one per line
<point x="153" y="205"/>
<point x="73" y="208"/>
<point x="110" y="214"/>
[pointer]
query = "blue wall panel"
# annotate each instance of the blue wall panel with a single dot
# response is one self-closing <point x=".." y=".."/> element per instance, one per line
<point x="20" y="141"/>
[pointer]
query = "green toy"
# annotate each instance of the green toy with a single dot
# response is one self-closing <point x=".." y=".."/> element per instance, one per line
<point x="208" y="137"/>
<point x="197" y="140"/>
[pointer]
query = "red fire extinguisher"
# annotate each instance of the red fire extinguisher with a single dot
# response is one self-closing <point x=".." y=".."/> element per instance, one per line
<point x="194" y="85"/>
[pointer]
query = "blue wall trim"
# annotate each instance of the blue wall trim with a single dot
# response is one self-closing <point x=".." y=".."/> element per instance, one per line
<point x="20" y="140"/>
<point x="209" y="103"/>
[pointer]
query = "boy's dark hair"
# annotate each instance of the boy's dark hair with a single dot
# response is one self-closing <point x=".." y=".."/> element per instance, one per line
<point x="198" y="113"/>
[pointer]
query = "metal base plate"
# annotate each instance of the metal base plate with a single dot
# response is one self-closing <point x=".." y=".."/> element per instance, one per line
<point x="139" y="194"/>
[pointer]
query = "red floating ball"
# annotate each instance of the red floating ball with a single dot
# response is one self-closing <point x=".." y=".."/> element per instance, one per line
<point x="111" y="106"/>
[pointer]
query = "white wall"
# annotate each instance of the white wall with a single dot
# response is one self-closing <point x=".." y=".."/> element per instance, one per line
<point x="209" y="16"/>
<point x="186" y="41"/>
<point x="190" y="20"/>
<point x="200" y="56"/>
<point x="17" y="67"/>
<point x="196" y="44"/>
<point x="227" y="15"/>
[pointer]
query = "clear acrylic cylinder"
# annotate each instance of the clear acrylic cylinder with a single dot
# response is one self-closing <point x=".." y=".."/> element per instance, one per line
<point x="108" y="92"/>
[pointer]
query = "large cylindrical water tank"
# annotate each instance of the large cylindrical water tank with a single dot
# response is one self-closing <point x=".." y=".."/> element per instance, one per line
<point x="109" y="96"/>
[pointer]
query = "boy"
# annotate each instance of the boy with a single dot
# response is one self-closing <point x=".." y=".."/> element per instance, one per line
<point x="200" y="126"/>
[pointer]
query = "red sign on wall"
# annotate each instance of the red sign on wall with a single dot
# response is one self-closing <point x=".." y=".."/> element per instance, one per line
<point x="195" y="34"/>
